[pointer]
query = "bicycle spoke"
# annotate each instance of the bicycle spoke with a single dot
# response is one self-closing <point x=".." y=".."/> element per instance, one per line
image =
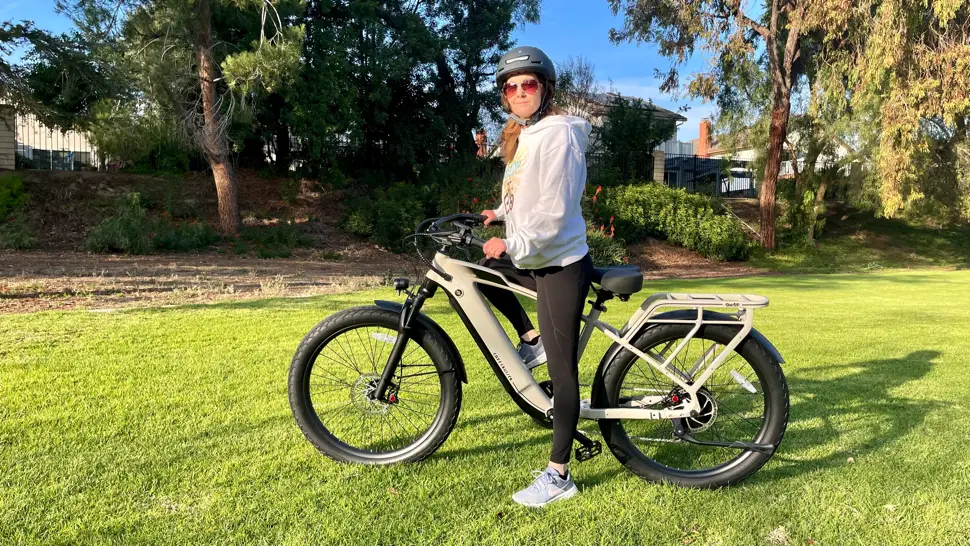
<point x="728" y="412"/>
<point x="349" y="367"/>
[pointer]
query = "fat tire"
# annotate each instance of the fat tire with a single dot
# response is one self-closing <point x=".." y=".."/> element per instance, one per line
<point x="318" y="435"/>
<point x="747" y="463"/>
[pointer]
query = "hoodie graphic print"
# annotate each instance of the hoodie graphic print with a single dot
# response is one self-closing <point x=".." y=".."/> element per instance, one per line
<point x="542" y="191"/>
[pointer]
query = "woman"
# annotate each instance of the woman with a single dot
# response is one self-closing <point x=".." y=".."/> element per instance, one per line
<point x="545" y="245"/>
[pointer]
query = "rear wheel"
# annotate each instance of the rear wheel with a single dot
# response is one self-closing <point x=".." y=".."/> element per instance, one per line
<point x="336" y="369"/>
<point x="745" y="400"/>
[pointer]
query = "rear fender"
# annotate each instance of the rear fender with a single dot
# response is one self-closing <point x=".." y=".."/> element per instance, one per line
<point x="599" y="394"/>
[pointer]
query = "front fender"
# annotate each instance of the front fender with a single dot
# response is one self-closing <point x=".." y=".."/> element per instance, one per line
<point x="424" y="321"/>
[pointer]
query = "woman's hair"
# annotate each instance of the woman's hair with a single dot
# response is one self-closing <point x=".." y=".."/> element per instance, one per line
<point x="509" y="140"/>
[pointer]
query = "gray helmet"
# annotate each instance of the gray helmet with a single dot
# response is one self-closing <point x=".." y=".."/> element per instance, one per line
<point x="525" y="59"/>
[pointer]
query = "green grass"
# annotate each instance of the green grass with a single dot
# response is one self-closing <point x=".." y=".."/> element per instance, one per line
<point x="859" y="242"/>
<point x="172" y="426"/>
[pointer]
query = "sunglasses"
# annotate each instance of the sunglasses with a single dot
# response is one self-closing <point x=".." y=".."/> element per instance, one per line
<point x="529" y="86"/>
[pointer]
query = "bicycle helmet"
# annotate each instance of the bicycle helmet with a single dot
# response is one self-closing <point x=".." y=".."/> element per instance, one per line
<point x="525" y="59"/>
<point x="532" y="60"/>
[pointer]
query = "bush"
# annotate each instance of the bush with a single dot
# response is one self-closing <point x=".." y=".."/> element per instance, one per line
<point x="694" y="221"/>
<point x="389" y="216"/>
<point x="272" y="241"/>
<point x="358" y="220"/>
<point x="126" y="231"/>
<point x="131" y="231"/>
<point x="605" y="250"/>
<point x="12" y="194"/>
<point x="397" y="211"/>
<point x="14" y="234"/>
<point x="181" y="236"/>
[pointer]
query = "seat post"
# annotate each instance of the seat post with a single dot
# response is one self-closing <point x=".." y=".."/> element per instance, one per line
<point x="597" y="308"/>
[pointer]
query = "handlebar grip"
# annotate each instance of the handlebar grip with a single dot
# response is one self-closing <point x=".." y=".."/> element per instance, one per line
<point x="472" y="240"/>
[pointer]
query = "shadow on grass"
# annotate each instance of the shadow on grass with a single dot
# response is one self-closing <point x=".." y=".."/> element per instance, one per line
<point x="855" y="414"/>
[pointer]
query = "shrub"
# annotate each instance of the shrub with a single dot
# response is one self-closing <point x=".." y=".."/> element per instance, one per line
<point x="14" y="233"/>
<point x="694" y="221"/>
<point x="12" y="194"/>
<point x="272" y="241"/>
<point x="181" y="236"/>
<point x="390" y="215"/>
<point x="126" y="231"/>
<point x="358" y="221"/>
<point x="397" y="212"/>
<point x="131" y="231"/>
<point x="605" y="250"/>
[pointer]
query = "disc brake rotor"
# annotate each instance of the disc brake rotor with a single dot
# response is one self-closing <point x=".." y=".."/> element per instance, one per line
<point x="706" y="415"/>
<point x="360" y="395"/>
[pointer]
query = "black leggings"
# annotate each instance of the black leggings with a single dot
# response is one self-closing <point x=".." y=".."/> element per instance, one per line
<point x="561" y="294"/>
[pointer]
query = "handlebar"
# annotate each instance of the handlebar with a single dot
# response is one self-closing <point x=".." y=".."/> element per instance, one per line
<point x="464" y="222"/>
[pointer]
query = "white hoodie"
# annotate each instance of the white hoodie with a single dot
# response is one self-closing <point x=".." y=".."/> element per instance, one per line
<point x="542" y="191"/>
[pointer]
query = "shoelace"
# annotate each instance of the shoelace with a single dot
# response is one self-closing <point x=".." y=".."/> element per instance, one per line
<point x="539" y="481"/>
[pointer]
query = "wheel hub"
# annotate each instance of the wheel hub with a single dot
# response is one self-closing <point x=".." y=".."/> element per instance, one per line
<point x="362" y="395"/>
<point x="706" y="415"/>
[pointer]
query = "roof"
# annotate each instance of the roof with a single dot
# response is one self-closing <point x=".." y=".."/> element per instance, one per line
<point x="602" y="100"/>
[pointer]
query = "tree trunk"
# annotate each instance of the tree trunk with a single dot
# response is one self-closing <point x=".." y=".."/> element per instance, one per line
<point x="213" y="139"/>
<point x="777" y="132"/>
<point x="819" y="202"/>
<point x="282" y="149"/>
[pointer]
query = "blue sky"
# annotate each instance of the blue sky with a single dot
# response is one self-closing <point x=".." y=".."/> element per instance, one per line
<point x="581" y="28"/>
<point x="40" y="12"/>
<point x="566" y="28"/>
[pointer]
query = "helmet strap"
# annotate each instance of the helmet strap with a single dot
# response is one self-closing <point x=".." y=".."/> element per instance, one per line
<point x="543" y="106"/>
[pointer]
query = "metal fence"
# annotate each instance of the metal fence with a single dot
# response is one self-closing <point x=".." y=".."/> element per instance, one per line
<point x="640" y="167"/>
<point x="712" y="176"/>
<point x="40" y="147"/>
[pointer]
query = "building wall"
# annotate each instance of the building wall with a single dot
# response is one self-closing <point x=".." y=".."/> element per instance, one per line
<point x="8" y="137"/>
<point x="740" y="155"/>
<point x="52" y="149"/>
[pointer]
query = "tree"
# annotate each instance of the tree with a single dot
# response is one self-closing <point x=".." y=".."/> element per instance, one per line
<point x="729" y="29"/>
<point x="393" y="89"/>
<point x="906" y="64"/>
<point x="172" y="53"/>
<point x="576" y="86"/>
<point x="630" y="133"/>
<point x="57" y="80"/>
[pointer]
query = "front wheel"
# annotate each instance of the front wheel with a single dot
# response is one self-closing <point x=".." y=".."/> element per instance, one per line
<point x="337" y="367"/>
<point x="745" y="400"/>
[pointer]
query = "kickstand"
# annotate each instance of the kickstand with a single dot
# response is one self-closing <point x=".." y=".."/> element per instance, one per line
<point x="589" y="448"/>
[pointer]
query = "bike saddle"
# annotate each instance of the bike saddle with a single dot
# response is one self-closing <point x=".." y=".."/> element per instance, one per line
<point x="621" y="280"/>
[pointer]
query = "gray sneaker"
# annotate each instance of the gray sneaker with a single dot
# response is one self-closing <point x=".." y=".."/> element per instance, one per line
<point x="547" y="487"/>
<point x="532" y="355"/>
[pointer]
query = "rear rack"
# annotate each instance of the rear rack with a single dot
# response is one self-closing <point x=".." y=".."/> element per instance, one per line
<point x="664" y="301"/>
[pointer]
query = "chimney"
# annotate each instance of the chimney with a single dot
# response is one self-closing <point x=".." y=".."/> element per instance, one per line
<point x="704" y="139"/>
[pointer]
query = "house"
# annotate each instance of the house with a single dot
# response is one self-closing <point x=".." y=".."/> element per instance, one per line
<point x="8" y="137"/>
<point x="709" y="145"/>
<point x="25" y="142"/>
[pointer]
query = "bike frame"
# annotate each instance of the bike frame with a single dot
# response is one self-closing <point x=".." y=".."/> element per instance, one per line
<point x="461" y="280"/>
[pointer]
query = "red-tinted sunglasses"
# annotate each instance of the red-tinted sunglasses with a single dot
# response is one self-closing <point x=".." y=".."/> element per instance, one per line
<point x="529" y="86"/>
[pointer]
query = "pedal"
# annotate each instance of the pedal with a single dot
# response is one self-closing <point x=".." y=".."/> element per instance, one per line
<point x="585" y="453"/>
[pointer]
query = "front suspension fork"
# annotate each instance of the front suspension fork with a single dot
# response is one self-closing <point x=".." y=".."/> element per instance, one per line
<point x="412" y="306"/>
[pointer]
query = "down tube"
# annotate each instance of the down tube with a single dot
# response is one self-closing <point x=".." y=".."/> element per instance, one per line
<point x="494" y="343"/>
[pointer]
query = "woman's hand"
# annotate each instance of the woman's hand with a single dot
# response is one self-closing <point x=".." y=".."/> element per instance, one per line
<point x="489" y="216"/>
<point x="494" y="248"/>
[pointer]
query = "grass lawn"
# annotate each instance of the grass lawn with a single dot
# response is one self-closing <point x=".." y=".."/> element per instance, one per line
<point x="172" y="426"/>
<point x="857" y="241"/>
